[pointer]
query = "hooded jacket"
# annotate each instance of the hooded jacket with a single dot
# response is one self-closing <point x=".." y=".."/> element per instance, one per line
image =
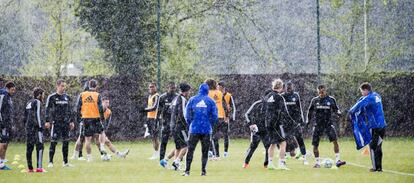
<point x="201" y="112"/>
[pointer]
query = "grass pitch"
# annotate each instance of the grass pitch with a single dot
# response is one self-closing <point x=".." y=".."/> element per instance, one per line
<point x="398" y="157"/>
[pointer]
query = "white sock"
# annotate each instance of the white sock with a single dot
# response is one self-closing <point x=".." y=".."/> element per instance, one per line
<point x="270" y="161"/>
<point x="76" y="153"/>
<point x="177" y="160"/>
<point x="337" y="157"/>
<point x="102" y="147"/>
<point x="318" y="160"/>
<point x="281" y="162"/>
<point x="88" y="156"/>
<point x="304" y="157"/>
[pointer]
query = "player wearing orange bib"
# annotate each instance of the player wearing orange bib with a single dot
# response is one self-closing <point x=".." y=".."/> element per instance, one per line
<point x="231" y="109"/>
<point x="220" y="128"/>
<point x="91" y="111"/>
<point x="152" y="126"/>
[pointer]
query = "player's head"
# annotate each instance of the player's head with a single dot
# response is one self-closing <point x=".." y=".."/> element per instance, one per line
<point x="171" y="88"/>
<point x="152" y="87"/>
<point x="10" y="87"/>
<point x="86" y="86"/>
<point x="60" y="86"/>
<point x="185" y="89"/>
<point x="105" y="102"/>
<point x="277" y="85"/>
<point x="92" y="84"/>
<point x="222" y="86"/>
<point x="365" y="88"/>
<point x="212" y="84"/>
<point x="290" y="87"/>
<point x="322" y="90"/>
<point x="38" y="93"/>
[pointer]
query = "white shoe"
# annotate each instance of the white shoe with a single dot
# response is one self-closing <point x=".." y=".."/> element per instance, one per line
<point x="305" y="162"/>
<point x="68" y="165"/>
<point x="282" y="167"/>
<point x="81" y="159"/>
<point x="154" y="156"/>
<point x="89" y="159"/>
<point x="226" y="154"/>
<point x="50" y="165"/>
<point x="122" y="154"/>
<point x="73" y="156"/>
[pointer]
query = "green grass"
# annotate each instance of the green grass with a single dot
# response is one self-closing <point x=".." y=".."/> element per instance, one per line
<point x="398" y="156"/>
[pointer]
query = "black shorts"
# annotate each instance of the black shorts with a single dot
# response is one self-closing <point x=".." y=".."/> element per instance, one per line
<point x="59" y="131"/>
<point x="180" y="139"/>
<point x="277" y="135"/>
<point x="5" y="135"/>
<point x="92" y="126"/>
<point x="153" y="127"/>
<point x="221" y="129"/>
<point x="318" y="131"/>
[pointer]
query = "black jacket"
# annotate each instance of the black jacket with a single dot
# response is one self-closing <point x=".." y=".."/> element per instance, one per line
<point x="164" y="107"/>
<point x="294" y="107"/>
<point x="322" y="108"/>
<point x="178" y="106"/>
<point x="32" y="116"/>
<point x="276" y="111"/>
<point x="58" y="108"/>
<point x="256" y="115"/>
<point x="6" y="109"/>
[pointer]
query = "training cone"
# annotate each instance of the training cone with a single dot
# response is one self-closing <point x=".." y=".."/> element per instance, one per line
<point x="15" y="163"/>
<point x="365" y="151"/>
<point x="21" y="166"/>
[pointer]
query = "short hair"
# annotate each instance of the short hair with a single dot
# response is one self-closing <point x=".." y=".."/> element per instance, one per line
<point x="171" y="83"/>
<point x="277" y="83"/>
<point x="222" y="83"/>
<point x="184" y="87"/>
<point x="153" y="83"/>
<point x="92" y="83"/>
<point x="10" y="84"/>
<point x="105" y="98"/>
<point x="37" y="91"/>
<point x="366" y="86"/>
<point x="212" y="84"/>
<point x="60" y="81"/>
<point x="321" y="86"/>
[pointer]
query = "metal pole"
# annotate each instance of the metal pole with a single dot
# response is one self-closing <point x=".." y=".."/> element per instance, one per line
<point x="318" y="40"/>
<point x="365" y="36"/>
<point x="158" y="44"/>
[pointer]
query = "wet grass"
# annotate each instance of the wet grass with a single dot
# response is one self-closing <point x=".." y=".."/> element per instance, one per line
<point x="398" y="156"/>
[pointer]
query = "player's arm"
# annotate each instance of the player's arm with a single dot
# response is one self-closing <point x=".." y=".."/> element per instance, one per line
<point x="161" y="105"/>
<point x="213" y="112"/>
<point x="362" y="102"/>
<point x="225" y="107"/>
<point x="79" y="108"/>
<point x="189" y="112"/>
<point x="335" y="107"/>
<point x="108" y="121"/>
<point x="233" y="108"/>
<point x="100" y="108"/>
<point x="298" y="103"/>
<point x="1" y="110"/>
<point x="38" y="119"/>
<point x="249" y="111"/>
<point x="311" y="110"/>
<point x="48" y="108"/>
<point x="68" y="111"/>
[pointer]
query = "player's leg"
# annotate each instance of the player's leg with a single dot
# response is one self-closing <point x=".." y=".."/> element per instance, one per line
<point x="302" y="147"/>
<point x="266" y="143"/>
<point x="153" y="128"/>
<point x="65" y="145"/>
<point x="315" y="143"/>
<point x="205" y="144"/>
<point x="282" y="152"/>
<point x="376" y="149"/>
<point x="39" y="155"/>
<point x="4" y="142"/>
<point x="192" y="144"/>
<point x="254" y="142"/>
<point x="333" y="137"/>
<point x="181" y="148"/>
<point x="53" y="143"/>
<point x="165" y="134"/>
<point x="225" y="131"/>
<point x="29" y="151"/>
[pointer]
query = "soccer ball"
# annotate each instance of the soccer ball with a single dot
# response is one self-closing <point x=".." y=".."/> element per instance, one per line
<point x="327" y="163"/>
<point x="106" y="157"/>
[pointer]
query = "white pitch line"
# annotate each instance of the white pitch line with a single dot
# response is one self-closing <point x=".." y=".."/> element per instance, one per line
<point x="388" y="171"/>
